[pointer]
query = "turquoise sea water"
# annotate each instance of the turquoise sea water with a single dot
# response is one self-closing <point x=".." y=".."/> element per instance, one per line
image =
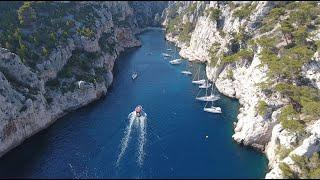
<point x="170" y="143"/>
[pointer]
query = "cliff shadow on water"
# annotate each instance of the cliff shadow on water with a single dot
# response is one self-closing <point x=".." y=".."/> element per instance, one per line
<point x="88" y="142"/>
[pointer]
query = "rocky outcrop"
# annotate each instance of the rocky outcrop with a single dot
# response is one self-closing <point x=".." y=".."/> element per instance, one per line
<point x="281" y="137"/>
<point x="33" y="97"/>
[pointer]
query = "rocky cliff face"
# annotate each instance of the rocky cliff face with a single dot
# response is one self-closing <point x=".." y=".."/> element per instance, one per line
<point x="232" y="38"/>
<point x="34" y="93"/>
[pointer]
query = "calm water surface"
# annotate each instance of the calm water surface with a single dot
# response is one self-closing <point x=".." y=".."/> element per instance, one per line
<point x="87" y="143"/>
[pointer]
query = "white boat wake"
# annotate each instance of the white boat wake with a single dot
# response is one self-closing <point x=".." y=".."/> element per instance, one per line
<point x="140" y="122"/>
<point x="125" y="139"/>
<point x="142" y="140"/>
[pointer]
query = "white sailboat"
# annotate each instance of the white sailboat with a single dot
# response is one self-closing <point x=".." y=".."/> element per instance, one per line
<point x="186" y="72"/>
<point x="208" y="98"/>
<point x="166" y="55"/>
<point x="169" y="49"/>
<point x="198" y="80"/>
<point x="211" y="97"/>
<point x="212" y="109"/>
<point x="176" y="61"/>
<point x="205" y="85"/>
<point x="201" y="81"/>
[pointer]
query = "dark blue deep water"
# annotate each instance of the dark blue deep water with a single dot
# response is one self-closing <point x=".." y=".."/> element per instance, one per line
<point x="87" y="142"/>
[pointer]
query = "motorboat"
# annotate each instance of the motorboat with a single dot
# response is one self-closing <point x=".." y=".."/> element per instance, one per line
<point x="139" y="111"/>
<point x="134" y="75"/>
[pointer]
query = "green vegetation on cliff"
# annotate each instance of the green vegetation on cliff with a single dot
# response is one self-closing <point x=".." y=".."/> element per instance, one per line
<point x="245" y="11"/>
<point x="79" y="67"/>
<point x="34" y="29"/>
<point x="213" y="13"/>
<point x="185" y="31"/>
<point x="262" y="107"/>
<point x="309" y="167"/>
<point x="243" y="54"/>
<point x="286" y="171"/>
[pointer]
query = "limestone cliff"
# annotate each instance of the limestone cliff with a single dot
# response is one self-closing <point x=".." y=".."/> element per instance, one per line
<point x="243" y="44"/>
<point x="58" y="56"/>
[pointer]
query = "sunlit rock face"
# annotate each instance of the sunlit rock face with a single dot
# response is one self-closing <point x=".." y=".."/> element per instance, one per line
<point x="210" y="38"/>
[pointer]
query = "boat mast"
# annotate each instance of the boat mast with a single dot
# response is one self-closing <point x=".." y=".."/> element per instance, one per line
<point x="212" y="89"/>
<point x="206" y="104"/>
<point x="198" y="74"/>
<point x="206" y="91"/>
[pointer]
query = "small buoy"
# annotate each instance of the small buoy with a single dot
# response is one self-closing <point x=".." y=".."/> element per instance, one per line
<point x="207" y="136"/>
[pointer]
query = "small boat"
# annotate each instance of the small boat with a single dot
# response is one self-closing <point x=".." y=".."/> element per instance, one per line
<point x="169" y="49"/>
<point x="134" y="75"/>
<point x="186" y="72"/>
<point x="138" y="110"/>
<point x="201" y="81"/>
<point x="212" y="109"/>
<point x="166" y="55"/>
<point x="176" y="61"/>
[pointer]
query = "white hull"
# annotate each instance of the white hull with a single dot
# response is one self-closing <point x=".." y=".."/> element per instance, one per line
<point x="134" y="76"/>
<point x="213" y="109"/>
<point x="186" y="72"/>
<point x="176" y="61"/>
<point x="166" y="55"/>
<point x="199" y="81"/>
<point x="204" y="86"/>
<point x="208" y="98"/>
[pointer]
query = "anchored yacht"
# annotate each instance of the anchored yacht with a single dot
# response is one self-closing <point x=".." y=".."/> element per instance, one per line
<point x="212" y="109"/>
<point x="176" y="61"/>
<point x="166" y="55"/>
